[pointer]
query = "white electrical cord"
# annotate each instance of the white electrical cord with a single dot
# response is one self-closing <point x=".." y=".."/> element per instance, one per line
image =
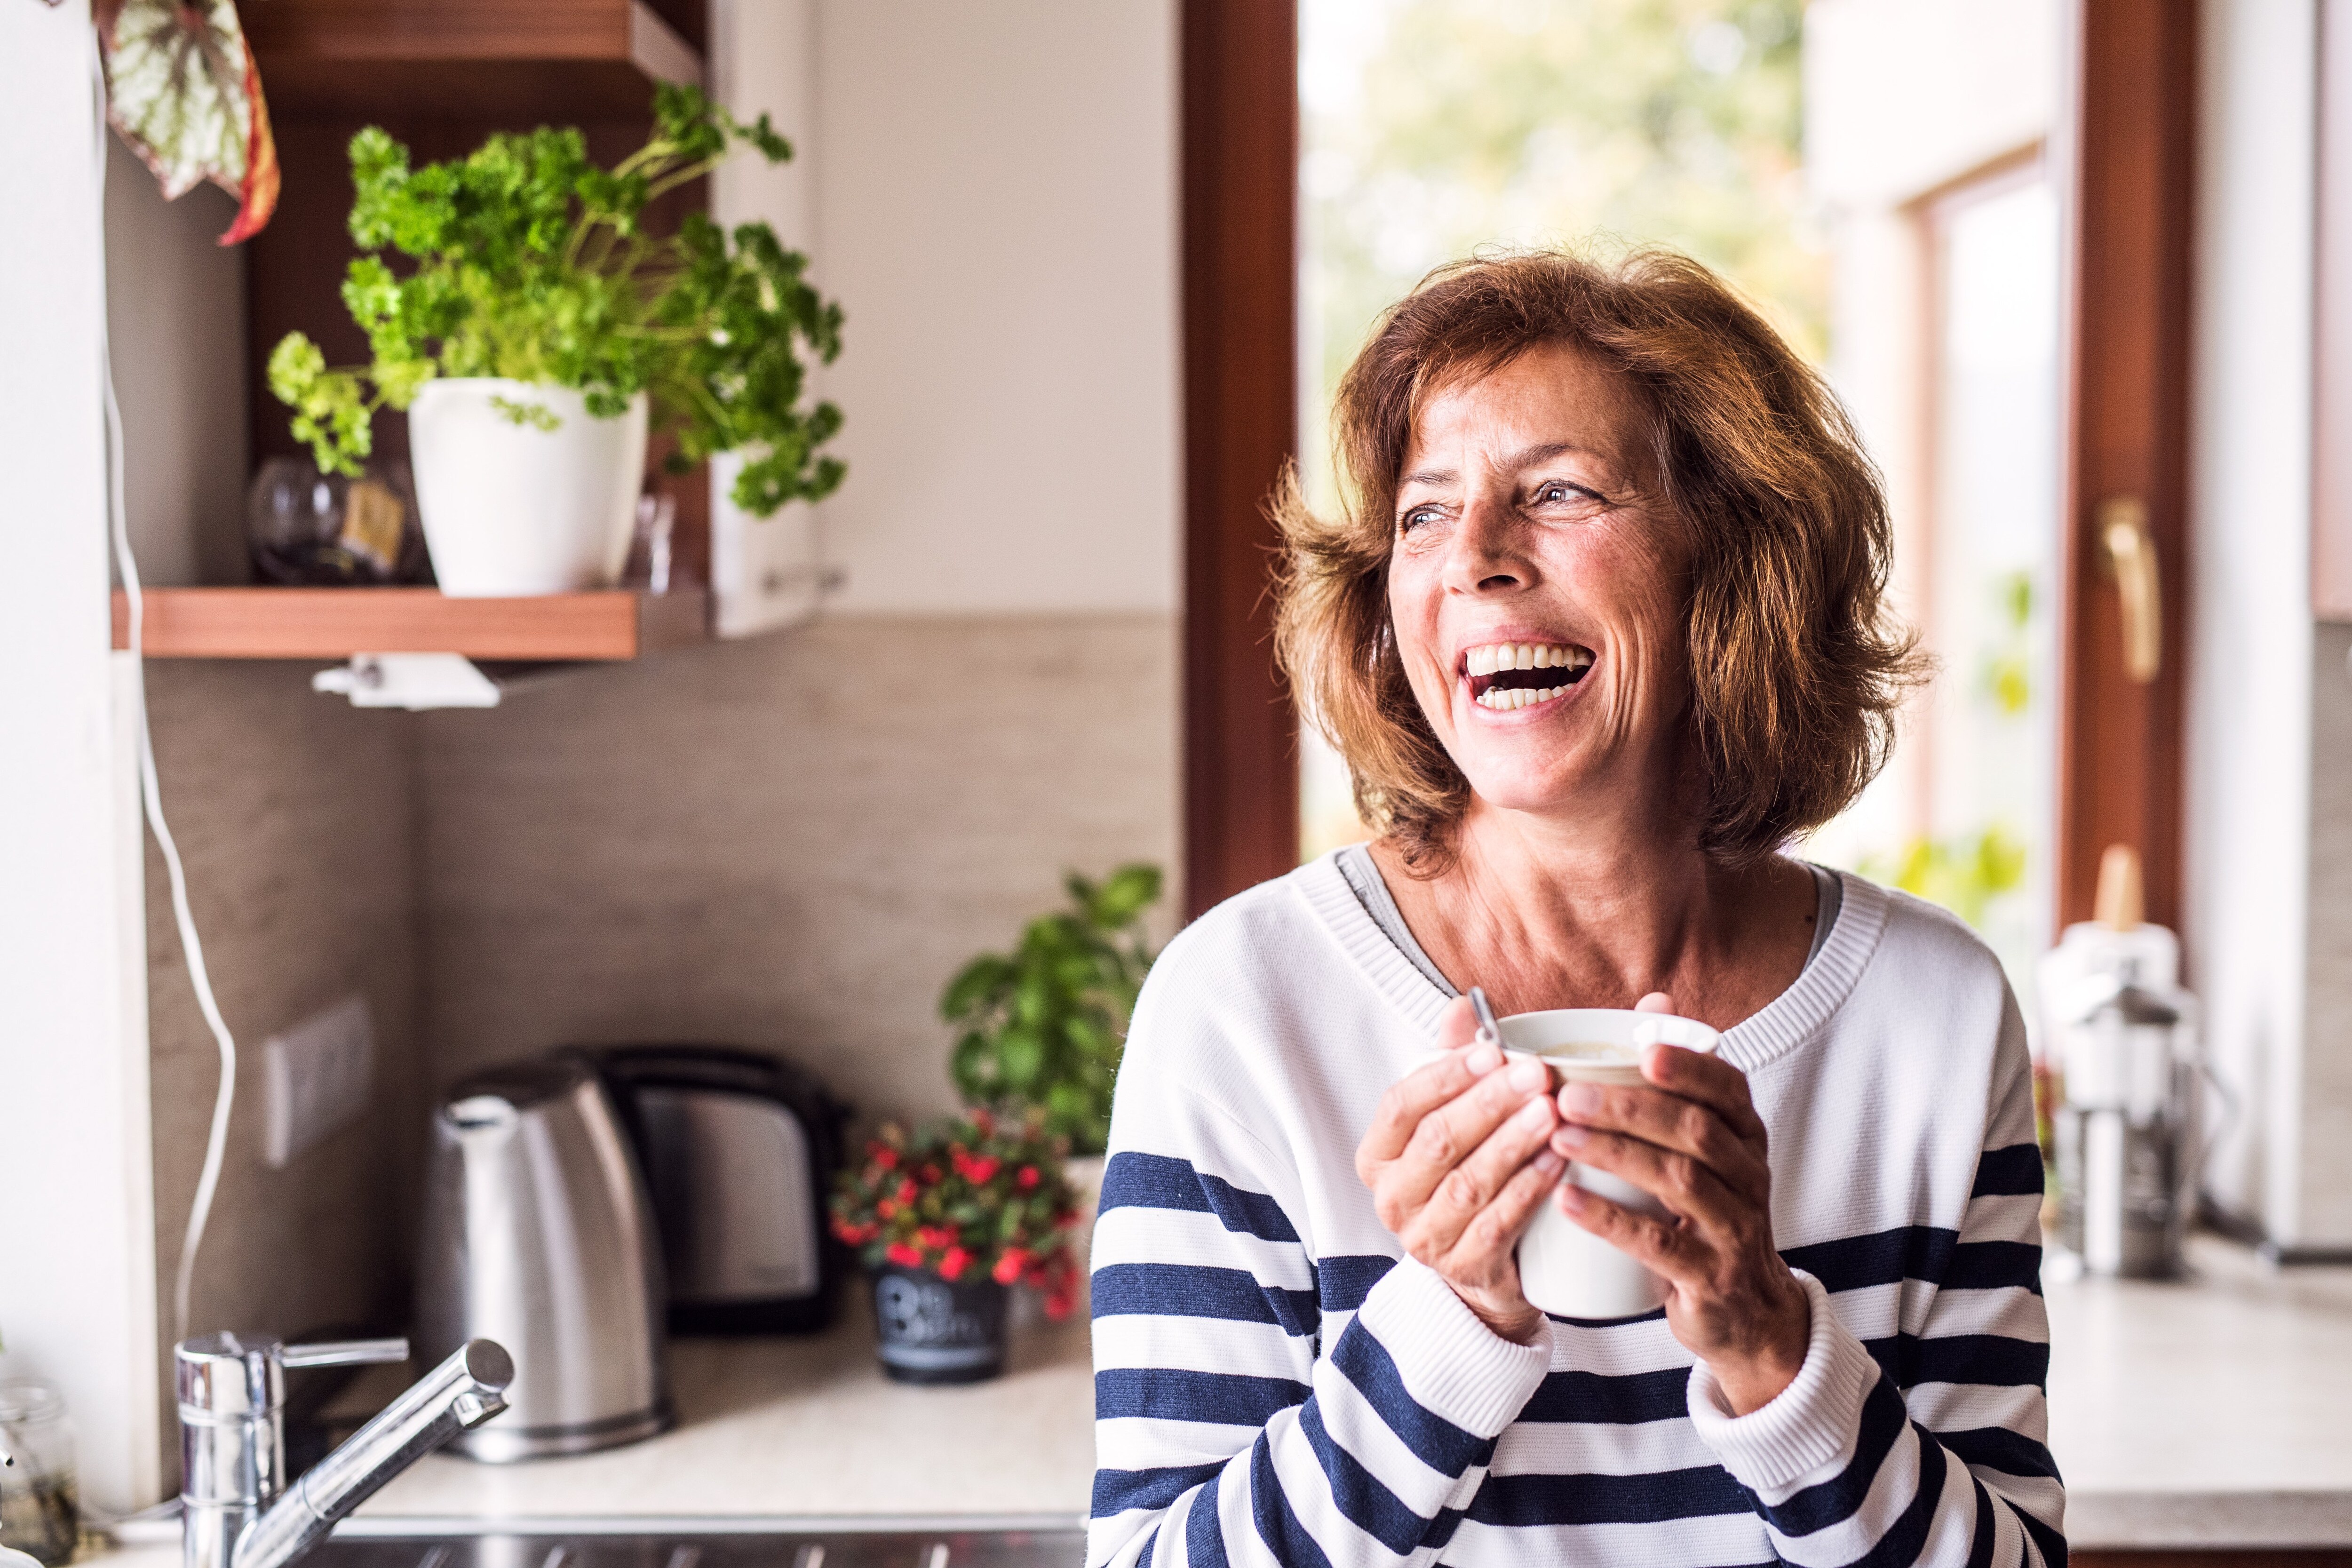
<point x="151" y="792"/>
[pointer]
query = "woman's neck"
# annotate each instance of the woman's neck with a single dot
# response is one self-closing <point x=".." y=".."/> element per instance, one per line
<point x="1546" y="911"/>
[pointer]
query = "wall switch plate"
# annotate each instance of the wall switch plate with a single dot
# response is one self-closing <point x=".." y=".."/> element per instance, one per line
<point x="315" y="1079"/>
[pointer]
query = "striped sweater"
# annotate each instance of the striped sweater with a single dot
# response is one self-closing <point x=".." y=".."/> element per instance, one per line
<point x="1275" y="1384"/>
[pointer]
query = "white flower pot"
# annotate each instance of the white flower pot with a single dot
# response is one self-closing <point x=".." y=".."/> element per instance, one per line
<point x="509" y="508"/>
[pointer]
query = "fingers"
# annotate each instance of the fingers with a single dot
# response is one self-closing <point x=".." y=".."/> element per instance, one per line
<point x="1710" y="1080"/>
<point x="1460" y="1196"/>
<point x="1658" y="1245"/>
<point x="1457" y="1023"/>
<point x="1687" y="1187"/>
<point x="1671" y="1122"/>
<point x="1414" y="1096"/>
<point x="1725" y="1089"/>
<point x="1496" y="1229"/>
<point x="1448" y="1136"/>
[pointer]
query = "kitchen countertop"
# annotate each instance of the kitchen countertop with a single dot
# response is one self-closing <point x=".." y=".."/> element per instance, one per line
<point x="2203" y="1413"/>
<point x="2210" y="1410"/>
<point x="792" y="1428"/>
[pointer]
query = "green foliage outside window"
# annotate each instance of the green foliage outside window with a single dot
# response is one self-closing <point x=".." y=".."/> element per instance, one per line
<point x="1044" y="1025"/>
<point x="532" y="263"/>
<point x="1962" y="874"/>
<point x="2008" y="671"/>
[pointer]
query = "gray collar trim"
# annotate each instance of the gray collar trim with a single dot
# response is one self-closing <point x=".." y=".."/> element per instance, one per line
<point x="1785" y="1022"/>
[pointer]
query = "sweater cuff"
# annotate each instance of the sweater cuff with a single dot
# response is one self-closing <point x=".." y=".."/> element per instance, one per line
<point x="1451" y="1363"/>
<point x="1809" y="1425"/>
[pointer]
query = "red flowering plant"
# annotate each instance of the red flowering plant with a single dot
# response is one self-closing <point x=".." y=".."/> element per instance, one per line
<point x="976" y="1197"/>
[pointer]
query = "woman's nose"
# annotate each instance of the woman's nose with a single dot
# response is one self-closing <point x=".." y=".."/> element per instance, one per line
<point x="1485" y="557"/>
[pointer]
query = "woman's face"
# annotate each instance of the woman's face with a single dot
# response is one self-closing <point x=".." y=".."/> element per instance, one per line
<point x="1537" y="588"/>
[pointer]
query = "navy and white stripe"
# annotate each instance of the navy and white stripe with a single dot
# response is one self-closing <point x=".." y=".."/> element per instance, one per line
<point x="1276" y="1385"/>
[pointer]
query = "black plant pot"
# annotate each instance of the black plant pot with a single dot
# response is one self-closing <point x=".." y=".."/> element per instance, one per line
<point x="929" y="1329"/>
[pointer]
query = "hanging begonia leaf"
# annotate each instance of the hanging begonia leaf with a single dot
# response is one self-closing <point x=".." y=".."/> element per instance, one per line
<point x="184" y="92"/>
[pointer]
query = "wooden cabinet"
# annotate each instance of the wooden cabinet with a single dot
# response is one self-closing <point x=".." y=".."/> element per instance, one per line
<point x="570" y="60"/>
<point x="439" y="75"/>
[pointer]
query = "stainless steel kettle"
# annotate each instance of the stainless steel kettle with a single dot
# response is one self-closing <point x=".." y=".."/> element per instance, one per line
<point x="538" y="1234"/>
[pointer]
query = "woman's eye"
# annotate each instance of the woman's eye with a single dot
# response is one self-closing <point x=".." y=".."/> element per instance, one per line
<point x="1417" y="516"/>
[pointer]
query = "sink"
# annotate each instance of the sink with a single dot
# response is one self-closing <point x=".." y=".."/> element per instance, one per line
<point x="545" y="1545"/>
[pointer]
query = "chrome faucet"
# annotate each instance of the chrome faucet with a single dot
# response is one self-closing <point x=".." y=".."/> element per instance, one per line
<point x="232" y="1391"/>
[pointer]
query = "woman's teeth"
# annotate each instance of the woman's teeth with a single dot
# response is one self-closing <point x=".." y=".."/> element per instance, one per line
<point x="1497" y="657"/>
<point x="1505" y="701"/>
<point x="1496" y="678"/>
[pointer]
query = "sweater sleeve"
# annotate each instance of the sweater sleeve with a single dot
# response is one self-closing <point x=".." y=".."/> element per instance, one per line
<point x="1222" y="1436"/>
<point x="1929" y="1448"/>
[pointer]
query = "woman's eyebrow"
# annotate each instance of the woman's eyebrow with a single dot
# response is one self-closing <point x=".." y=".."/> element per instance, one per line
<point x="1529" y="457"/>
<point x="1439" y="477"/>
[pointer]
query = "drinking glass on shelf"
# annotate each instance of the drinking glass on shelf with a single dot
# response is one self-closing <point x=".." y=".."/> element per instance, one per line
<point x="649" y="549"/>
<point x="303" y="527"/>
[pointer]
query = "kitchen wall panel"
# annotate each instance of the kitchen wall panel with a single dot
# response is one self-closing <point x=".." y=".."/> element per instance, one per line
<point x="791" y="842"/>
<point x="296" y="817"/>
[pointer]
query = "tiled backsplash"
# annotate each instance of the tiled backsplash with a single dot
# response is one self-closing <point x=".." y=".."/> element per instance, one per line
<point x="791" y="842"/>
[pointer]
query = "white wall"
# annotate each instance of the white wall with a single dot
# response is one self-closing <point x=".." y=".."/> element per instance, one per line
<point x="1980" y="79"/>
<point x="2250" y="635"/>
<point x="76" y="1289"/>
<point x="996" y="208"/>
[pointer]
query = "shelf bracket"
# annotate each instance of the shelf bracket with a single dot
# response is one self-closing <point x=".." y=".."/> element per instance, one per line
<point x="412" y="680"/>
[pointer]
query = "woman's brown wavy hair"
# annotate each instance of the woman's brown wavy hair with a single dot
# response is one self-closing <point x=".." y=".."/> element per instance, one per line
<point x="1797" y="667"/>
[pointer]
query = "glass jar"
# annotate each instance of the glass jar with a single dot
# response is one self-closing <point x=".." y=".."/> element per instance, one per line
<point x="40" y="1506"/>
<point x="305" y="528"/>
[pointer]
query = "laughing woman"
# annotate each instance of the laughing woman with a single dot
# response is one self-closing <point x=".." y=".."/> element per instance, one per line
<point x="1600" y="634"/>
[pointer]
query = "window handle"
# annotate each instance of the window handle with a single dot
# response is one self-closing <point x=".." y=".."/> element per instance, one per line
<point x="2128" y="552"/>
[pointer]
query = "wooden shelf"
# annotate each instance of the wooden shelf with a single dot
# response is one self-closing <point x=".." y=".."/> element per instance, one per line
<point x="335" y="623"/>
<point x="502" y="61"/>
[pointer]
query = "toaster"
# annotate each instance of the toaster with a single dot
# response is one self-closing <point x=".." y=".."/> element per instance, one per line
<point x="738" y="1150"/>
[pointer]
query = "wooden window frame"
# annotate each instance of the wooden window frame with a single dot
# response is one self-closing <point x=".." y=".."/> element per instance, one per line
<point x="2129" y="183"/>
<point x="1239" y="104"/>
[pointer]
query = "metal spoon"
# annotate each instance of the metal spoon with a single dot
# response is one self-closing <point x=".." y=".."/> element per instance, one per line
<point x="1490" y="1032"/>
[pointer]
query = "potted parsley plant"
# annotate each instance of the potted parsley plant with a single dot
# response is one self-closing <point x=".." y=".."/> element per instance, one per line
<point x="519" y="308"/>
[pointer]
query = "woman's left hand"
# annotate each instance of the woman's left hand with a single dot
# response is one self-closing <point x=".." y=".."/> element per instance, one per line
<point x="1691" y="1138"/>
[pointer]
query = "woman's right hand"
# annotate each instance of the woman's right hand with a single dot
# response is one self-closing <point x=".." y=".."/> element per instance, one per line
<point x="1458" y="1159"/>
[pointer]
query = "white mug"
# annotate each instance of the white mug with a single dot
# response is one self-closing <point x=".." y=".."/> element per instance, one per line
<point x="1565" y="1269"/>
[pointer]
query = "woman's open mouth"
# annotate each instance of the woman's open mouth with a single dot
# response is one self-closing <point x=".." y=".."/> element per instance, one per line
<point x="1508" y="676"/>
